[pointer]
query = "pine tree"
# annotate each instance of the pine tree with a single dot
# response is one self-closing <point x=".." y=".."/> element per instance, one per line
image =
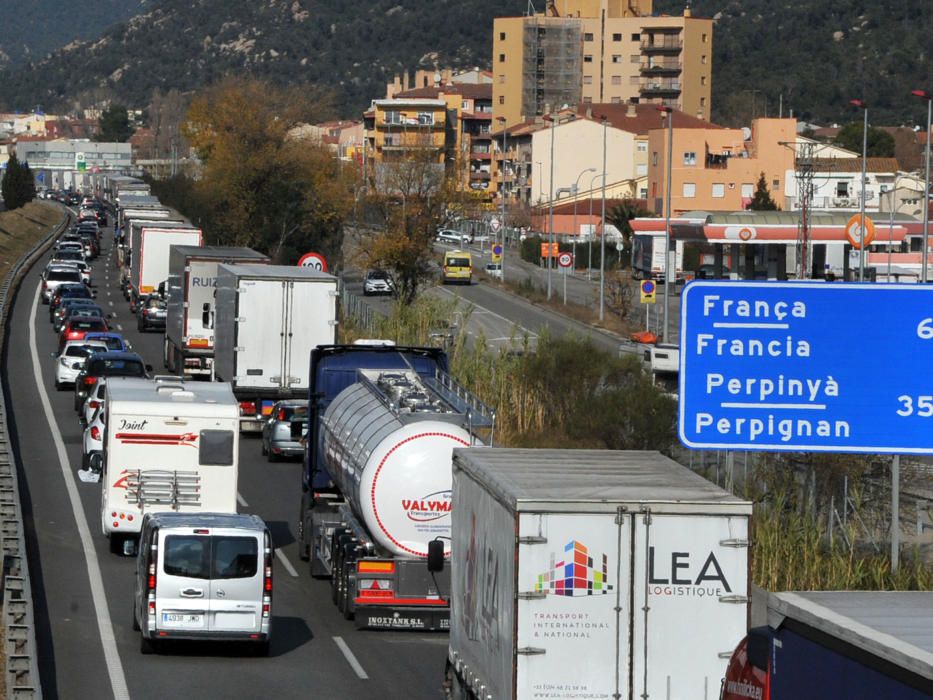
<point x="17" y="187"/>
<point x="762" y="201"/>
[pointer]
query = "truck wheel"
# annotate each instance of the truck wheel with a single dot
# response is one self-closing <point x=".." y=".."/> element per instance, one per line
<point x="116" y="543"/>
<point x="135" y="621"/>
<point x="335" y="580"/>
<point x="261" y="649"/>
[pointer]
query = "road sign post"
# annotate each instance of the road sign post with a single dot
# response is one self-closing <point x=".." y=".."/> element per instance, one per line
<point x="795" y="367"/>
<point x="565" y="260"/>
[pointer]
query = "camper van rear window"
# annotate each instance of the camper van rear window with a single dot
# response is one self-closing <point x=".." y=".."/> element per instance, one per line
<point x="216" y="448"/>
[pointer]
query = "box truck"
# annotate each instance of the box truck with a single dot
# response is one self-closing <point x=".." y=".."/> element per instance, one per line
<point x="648" y="250"/>
<point x="189" y="323"/>
<point x="858" y="645"/>
<point x="268" y="320"/>
<point x="148" y="259"/>
<point x="384" y="421"/>
<point x="169" y="446"/>
<point x="591" y="574"/>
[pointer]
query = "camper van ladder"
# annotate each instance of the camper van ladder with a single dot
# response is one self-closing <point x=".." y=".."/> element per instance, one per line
<point x="163" y="487"/>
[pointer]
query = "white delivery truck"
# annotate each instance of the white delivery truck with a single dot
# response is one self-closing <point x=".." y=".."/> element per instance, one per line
<point x="591" y="574"/>
<point x="648" y="249"/>
<point x="169" y="446"/>
<point x="190" y="291"/>
<point x="269" y="319"/>
<point x="148" y="260"/>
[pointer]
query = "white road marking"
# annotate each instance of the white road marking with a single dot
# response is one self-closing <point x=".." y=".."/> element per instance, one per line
<point x="110" y="302"/>
<point x="286" y="563"/>
<point x="98" y="594"/>
<point x="119" y="327"/>
<point x="351" y="659"/>
<point x="241" y="500"/>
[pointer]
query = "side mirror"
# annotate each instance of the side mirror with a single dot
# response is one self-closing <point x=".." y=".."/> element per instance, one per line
<point x="148" y="368"/>
<point x="435" y="556"/>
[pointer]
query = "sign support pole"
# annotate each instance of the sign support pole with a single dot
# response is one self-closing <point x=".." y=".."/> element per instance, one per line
<point x="565" y="286"/>
<point x="895" y="512"/>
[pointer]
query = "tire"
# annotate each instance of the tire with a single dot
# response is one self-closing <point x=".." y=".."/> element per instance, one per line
<point x="346" y="606"/>
<point x="261" y="649"/>
<point x="146" y="646"/>
<point x="116" y="543"/>
<point x="264" y="450"/>
<point x="335" y="579"/>
<point x="58" y="385"/>
<point x="85" y="459"/>
<point x="135" y="621"/>
<point x="273" y="457"/>
<point x="140" y="327"/>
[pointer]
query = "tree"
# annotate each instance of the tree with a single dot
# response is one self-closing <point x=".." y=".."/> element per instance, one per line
<point x="880" y="142"/>
<point x="114" y="125"/>
<point x="761" y="200"/>
<point x="18" y="187"/>
<point x="619" y="216"/>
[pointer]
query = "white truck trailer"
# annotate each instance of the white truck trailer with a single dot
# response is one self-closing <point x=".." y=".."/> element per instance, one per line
<point x="591" y="574"/>
<point x="190" y="291"/>
<point x="269" y="319"/>
<point x="150" y="244"/>
<point x="169" y="446"/>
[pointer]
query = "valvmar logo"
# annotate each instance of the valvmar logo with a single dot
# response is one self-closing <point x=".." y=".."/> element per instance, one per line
<point x="575" y="573"/>
<point x="427" y="508"/>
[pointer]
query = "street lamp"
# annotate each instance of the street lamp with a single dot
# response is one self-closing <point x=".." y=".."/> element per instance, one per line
<point x="602" y="229"/>
<point x="502" y="120"/>
<point x="576" y="190"/>
<point x="550" y="197"/>
<point x="926" y="181"/>
<point x="589" y="265"/>
<point x="669" y="112"/>
<point x="861" y="249"/>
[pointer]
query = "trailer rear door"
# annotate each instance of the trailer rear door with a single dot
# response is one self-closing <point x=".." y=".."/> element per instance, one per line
<point x="261" y="325"/>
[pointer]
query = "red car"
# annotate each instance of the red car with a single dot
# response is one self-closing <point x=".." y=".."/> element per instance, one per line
<point x="77" y="328"/>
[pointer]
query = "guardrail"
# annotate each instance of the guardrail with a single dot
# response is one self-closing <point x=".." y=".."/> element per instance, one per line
<point x="18" y="619"/>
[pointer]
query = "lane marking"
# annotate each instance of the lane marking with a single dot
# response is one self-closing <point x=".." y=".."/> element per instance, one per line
<point x="241" y="500"/>
<point x="98" y="594"/>
<point x="119" y="327"/>
<point x="286" y="563"/>
<point x="351" y="659"/>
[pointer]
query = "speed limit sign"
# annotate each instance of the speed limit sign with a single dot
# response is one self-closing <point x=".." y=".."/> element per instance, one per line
<point x="565" y="260"/>
<point x="315" y="261"/>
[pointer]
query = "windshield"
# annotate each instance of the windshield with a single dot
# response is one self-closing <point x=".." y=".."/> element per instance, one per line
<point x="117" y="368"/>
<point x="63" y="276"/>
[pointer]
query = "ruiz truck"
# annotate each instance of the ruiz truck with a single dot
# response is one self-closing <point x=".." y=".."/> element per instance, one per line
<point x="384" y="421"/>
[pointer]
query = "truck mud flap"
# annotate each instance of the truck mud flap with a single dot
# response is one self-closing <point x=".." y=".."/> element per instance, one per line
<point x="413" y="619"/>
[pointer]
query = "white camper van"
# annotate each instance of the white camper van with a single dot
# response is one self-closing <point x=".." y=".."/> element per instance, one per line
<point x="169" y="446"/>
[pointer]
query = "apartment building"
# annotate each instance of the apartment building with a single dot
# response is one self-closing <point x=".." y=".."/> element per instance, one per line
<point x="600" y="51"/>
<point x="717" y="169"/>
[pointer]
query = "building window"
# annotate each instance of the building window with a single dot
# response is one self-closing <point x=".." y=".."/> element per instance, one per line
<point x="748" y="190"/>
<point x="588" y="36"/>
<point x="501" y="58"/>
<point x="501" y="79"/>
<point x="636" y="37"/>
<point x="702" y="80"/>
<point x="588" y="58"/>
<point x="501" y="99"/>
<point x="617" y="37"/>
<point x="703" y="59"/>
<point x="690" y="158"/>
<point x="616" y="58"/>
<point x="775" y="185"/>
<point x="704" y="38"/>
<point x="719" y="190"/>
<point x="641" y="169"/>
<point x="587" y="79"/>
<point x="643" y="193"/>
<point x="702" y="101"/>
<point x="690" y="189"/>
<point x="654" y="159"/>
<point x="587" y="100"/>
<point x="617" y="80"/>
<point x="634" y="80"/>
<point x="502" y="36"/>
<point x="465" y="105"/>
<point x="842" y="189"/>
<point x="641" y="146"/>
<point x="635" y="58"/>
<point x="616" y="100"/>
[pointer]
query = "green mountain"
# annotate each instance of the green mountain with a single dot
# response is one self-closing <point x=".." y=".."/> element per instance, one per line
<point x="30" y="29"/>
<point x="810" y="57"/>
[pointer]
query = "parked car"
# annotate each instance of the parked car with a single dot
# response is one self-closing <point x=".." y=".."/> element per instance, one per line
<point x="71" y="360"/>
<point x="150" y="313"/>
<point x="446" y="235"/>
<point x="378" y="282"/>
<point x="107" y="364"/>
<point x="227" y="557"/>
<point x="494" y="270"/>
<point x="55" y="276"/>
<point x="93" y="439"/>
<point x="283" y="429"/>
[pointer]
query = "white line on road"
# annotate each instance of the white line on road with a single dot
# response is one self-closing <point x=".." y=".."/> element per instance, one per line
<point x="110" y="302"/>
<point x="98" y="594"/>
<point x="286" y="563"/>
<point x="119" y="327"/>
<point x="351" y="659"/>
<point x="241" y="500"/>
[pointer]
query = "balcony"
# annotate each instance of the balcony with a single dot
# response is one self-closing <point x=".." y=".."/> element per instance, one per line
<point x="480" y="175"/>
<point x="665" y="87"/>
<point x="665" y="68"/>
<point x="666" y="45"/>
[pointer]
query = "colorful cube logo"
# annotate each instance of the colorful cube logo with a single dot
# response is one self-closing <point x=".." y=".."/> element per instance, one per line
<point x="575" y="575"/>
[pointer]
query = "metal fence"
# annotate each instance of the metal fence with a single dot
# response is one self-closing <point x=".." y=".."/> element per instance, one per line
<point x="18" y="619"/>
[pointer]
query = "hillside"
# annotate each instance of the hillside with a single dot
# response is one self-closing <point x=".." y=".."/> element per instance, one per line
<point x="817" y="55"/>
<point x="30" y="29"/>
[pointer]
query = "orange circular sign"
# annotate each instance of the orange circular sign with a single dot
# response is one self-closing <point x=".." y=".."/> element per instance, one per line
<point x="859" y="235"/>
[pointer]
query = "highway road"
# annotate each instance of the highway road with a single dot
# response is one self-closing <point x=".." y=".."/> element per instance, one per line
<point x="83" y="594"/>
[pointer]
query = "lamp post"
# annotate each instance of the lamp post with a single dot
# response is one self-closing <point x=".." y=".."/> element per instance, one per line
<point x="505" y="135"/>
<point x="602" y="231"/>
<point x="589" y="238"/>
<point x="576" y="190"/>
<point x="669" y="111"/>
<point x="894" y="208"/>
<point x="540" y="180"/>
<point x="550" y="197"/>
<point x="926" y="189"/>
<point x="861" y="249"/>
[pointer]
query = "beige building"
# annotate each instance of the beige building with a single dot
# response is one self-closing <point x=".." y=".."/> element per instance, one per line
<point x="717" y="169"/>
<point x="600" y="51"/>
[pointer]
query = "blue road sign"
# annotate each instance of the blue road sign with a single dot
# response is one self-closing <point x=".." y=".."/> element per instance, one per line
<point x="807" y="366"/>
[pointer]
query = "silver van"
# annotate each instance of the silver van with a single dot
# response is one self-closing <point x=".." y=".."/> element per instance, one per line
<point x="203" y="576"/>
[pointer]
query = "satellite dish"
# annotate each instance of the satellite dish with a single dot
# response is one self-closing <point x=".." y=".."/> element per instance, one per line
<point x="746" y="133"/>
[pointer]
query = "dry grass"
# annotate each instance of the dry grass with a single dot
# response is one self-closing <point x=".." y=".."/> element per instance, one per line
<point x="20" y="229"/>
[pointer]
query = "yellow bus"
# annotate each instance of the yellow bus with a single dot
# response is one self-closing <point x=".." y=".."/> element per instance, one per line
<point x="458" y="267"/>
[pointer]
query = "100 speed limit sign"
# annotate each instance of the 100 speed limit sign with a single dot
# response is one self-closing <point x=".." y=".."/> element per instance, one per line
<point x="314" y="261"/>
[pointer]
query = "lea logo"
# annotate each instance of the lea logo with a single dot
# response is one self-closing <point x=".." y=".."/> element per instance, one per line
<point x="427" y="508"/>
<point x="686" y="571"/>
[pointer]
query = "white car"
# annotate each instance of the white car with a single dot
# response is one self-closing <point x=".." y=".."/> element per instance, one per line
<point x="93" y="436"/>
<point x="94" y="400"/>
<point x="70" y="361"/>
<point x="80" y="266"/>
<point x="446" y="235"/>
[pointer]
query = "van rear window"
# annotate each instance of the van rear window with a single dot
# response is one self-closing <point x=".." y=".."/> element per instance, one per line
<point x="211" y="557"/>
<point x="458" y="262"/>
<point x="235" y="557"/>
<point x="188" y="556"/>
<point x="216" y="448"/>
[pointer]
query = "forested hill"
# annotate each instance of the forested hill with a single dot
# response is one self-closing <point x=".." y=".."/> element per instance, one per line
<point x="818" y="54"/>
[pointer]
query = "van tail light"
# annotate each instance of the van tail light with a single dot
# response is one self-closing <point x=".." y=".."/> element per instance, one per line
<point x="151" y="576"/>
<point x="267" y="580"/>
<point x="95" y="433"/>
<point x="247" y="408"/>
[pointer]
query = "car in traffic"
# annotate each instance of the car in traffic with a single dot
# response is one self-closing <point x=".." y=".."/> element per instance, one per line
<point x="81" y="267"/>
<point x="457" y="267"/>
<point x="446" y="235"/>
<point x="70" y="361"/>
<point x="378" y="282"/>
<point x="69" y="254"/>
<point x="73" y="312"/>
<point x="224" y="560"/>
<point x="68" y="290"/>
<point x="76" y="328"/>
<point x="107" y="364"/>
<point x="56" y="316"/>
<point x="95" y="399"/>
<point x="283" y="430"/>
<point x="114" y="341"/>
<point x="93" y="438"/>
<point x="55" y="276"/>
<point x="150" y="313"/>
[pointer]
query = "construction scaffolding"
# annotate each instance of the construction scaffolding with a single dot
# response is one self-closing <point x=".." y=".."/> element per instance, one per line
<point x="553" y="64"/>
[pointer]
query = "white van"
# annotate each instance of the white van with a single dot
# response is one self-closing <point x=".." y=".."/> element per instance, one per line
<point x="205" y="576"/>
<point x="170" y="446"/>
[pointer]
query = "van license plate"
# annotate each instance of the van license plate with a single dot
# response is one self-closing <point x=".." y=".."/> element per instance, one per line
<point x="183" y="619"/>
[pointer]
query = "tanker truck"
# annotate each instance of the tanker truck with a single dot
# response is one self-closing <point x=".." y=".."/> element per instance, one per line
<point x="383" y="423"/>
